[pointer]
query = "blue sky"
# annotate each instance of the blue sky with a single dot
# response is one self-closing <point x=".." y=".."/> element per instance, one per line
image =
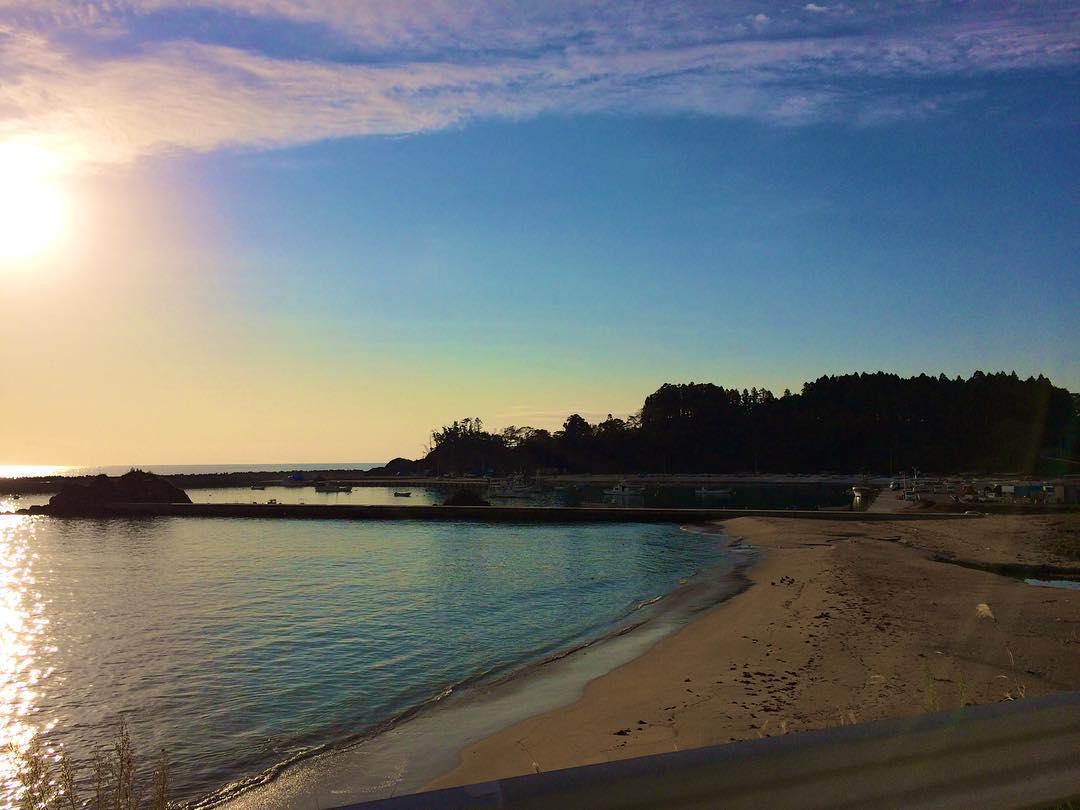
<point x="534" y="211"/>
<point x="682" y="241"/>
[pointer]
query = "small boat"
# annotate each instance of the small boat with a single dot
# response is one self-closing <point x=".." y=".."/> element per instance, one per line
<point x="402" y="494"/>
<point x="332" y="487"/>
<point x="518" y="487"/>
<point x="624" y="490"/>
<point x="719" y="492"/>
<point x="258" y="486"/>
<point x="272" y="502"/>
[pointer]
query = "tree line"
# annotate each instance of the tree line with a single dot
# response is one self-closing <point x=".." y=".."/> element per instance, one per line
<point x="880" y="423"/>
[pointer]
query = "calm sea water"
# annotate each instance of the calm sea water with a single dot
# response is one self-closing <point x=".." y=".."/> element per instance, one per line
<point x="236" y="644"/>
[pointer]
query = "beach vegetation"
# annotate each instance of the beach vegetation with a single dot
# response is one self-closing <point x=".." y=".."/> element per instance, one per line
<point x="931" y="699"/>
<point x="111" y="782"/>
<point x="1015" y="689"/>
<point x="963" y="698"/>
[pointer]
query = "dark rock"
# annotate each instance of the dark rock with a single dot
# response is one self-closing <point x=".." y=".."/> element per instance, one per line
<point x="93" y="498"/>
<point x="465" y="497"/>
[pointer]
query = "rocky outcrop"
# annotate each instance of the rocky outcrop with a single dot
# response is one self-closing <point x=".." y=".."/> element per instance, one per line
<point x="94" y="498"/>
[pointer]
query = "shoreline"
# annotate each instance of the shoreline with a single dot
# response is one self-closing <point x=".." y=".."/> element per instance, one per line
<point x="827" y="637"/>
<point x="405" y="752"/>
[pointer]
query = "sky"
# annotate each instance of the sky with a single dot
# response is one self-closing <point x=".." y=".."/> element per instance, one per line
<point x="288" y="230"/>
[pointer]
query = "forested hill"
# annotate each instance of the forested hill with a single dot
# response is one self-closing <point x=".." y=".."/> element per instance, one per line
<point x="854" y="422"/>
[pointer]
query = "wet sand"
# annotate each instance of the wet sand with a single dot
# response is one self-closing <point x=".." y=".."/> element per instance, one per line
<point x="845" y="622"/>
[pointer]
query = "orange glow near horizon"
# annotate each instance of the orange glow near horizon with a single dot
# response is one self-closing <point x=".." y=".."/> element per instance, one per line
<point x="31" y="470"/>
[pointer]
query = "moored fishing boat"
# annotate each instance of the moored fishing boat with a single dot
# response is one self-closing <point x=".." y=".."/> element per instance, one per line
<point x="330" y="486"/>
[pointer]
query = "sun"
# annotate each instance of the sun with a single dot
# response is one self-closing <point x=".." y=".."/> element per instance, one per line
<point x="31" y="204"/>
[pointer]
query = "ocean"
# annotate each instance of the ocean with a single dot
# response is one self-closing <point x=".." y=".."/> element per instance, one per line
<point x="41" y="470"/>
<point x="240" y="644"/>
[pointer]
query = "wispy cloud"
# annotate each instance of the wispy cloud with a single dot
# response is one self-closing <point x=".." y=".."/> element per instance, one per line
<point x="108" y="81"/>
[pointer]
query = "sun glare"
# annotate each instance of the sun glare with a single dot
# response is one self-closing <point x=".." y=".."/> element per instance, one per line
<point x="31" y="204"/>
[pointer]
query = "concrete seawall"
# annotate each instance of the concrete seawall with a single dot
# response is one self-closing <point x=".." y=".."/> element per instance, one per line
<point x="1001" y="755"/>
<point x="492" y="514"/>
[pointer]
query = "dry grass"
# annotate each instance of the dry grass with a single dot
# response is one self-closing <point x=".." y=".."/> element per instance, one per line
<point x="49" y="785"/>
<point x="962" y="697"/>
<point x="931" y="700"/>
<point x="1015" y="689"/>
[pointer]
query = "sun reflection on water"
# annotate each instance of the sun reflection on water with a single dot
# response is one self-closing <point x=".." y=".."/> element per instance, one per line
<point x="22" y="625"/>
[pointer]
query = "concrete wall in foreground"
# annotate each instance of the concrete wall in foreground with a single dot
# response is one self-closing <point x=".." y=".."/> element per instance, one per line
<point x="1007" y="755"/>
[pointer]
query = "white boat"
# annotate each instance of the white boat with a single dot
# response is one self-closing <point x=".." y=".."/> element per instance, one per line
<point x="624" y="490"/>
<point x="332" y="487"/>
<point x="719" y="492"/>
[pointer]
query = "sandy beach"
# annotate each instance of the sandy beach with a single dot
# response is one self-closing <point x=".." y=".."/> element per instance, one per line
<point x="844" y="622"/>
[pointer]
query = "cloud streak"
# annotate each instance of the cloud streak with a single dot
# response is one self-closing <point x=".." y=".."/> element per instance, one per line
<point x="109" y="82"/>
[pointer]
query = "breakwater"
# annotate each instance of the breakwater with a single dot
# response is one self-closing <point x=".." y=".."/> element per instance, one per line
<point x="494" y="514"/>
